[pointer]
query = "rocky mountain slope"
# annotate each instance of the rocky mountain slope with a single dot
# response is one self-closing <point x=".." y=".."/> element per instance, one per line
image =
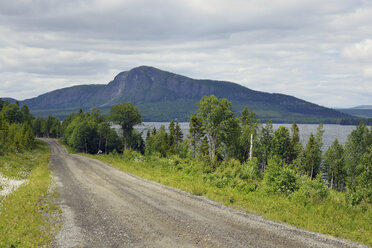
<point x="162" y="96"/>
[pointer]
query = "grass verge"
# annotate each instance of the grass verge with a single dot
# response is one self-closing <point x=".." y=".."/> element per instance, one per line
<point x="26" y="215"/>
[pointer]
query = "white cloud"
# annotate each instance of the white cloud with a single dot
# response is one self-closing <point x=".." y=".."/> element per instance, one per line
<point x="359" y="51"/>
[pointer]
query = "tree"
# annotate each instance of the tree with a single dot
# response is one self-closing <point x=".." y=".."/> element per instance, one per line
<point x="265" y="143"/>
<point x="281" y="144"/>
<point x="311" y="158"/>
<point x="136" y="142"/>
<point x="334" y="165"/>
<point x="89" y="132"/>
<point x="230" y="133"/>
<point x="361" y="190"/>
<point x="248" y="118"/>
<point x="215" y="115"/>
<point x="26" y="115"/>
<point x="356" y="146"/>
<point x="196" y="133"/>
<point x="103" y="132"/>
<point x="319" y="135"/>
<point x="178" y="133"/>
<point x="365" y="178"/>
<point x="295" y="142"/>
<point x="127" y="116"/>
<point x="37" y="126"/>
<point x="158" y="143"/>
<point x="248" y="126"/>
<point x="28" y="135"/>
<point x="172" y="137"/>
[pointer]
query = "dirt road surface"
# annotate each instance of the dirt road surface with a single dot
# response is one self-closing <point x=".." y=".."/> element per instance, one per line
<point x="105" y="207"/>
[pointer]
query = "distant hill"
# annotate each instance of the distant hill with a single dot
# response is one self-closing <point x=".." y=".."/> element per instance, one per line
<point x="363" y="107"/>
<point x="364" y="111"/>
<point x="162" y="96"/>
<point x="8" y="99"/>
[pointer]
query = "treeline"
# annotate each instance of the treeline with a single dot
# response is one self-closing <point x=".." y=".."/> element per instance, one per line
<point x="285" y="165"/>
<point x="90" y="132"/>
<point x="16" y="132"/>
<point x="218" y="138"/>
<point x="356" y="121"/>
<point x="276" y="159"/>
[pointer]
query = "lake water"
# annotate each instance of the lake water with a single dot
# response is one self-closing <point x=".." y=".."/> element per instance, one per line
<point x="331" y="131"/>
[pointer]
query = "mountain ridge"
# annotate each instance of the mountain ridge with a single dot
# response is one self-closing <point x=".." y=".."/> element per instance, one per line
<point x="362" y="111"/>
<point x="162" y="96"/>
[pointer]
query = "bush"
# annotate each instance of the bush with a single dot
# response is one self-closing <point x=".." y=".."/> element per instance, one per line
<point x="132" y="155"/>
<point x="312" y="189"/>
<point x="279" y="178"/>
<point x="235" y="175"/>
<point x="250" y="170"/>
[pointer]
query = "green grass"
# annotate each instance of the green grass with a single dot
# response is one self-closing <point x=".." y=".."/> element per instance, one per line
<point x="331" y="215"/>
<point x="27" y="215"/>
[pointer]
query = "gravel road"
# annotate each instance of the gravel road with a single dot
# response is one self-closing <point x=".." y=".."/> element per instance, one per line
<point x="105" y="207"/>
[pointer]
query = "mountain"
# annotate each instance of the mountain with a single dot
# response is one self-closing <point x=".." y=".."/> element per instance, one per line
<point x="363" y="107"/>
<point x="162" y="96"/>
<point x="364" y="111"/>
<point x="8" y="99"/>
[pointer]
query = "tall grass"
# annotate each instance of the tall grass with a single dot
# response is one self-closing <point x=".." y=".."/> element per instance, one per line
<point x="242" y="188"/>
<point x="26" y="215"/>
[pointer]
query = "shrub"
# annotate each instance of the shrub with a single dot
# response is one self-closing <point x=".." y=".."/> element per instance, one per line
<point x="313" y="189"/>
<point x="250" y="170"/>
<point x="279" y="178"/>
<point x="132" y="155"/>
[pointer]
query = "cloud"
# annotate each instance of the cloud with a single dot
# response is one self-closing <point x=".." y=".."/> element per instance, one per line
<point x="315" y="50"/>
<point x="359" y="51"/>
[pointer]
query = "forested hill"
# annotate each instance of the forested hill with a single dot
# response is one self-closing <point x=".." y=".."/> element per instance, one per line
<point x="162" y="96"/>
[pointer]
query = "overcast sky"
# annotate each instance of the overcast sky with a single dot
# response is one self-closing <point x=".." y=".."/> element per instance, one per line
<point x="317" y="50"/>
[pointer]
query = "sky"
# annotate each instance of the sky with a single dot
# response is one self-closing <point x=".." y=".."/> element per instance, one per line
<point x="318" y="50"/>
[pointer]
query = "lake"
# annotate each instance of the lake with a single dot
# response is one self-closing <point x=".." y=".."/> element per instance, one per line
<point x="331" y="131"/>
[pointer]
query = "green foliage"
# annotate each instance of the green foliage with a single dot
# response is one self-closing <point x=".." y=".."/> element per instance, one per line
<point x="167" y="144"/>
<point x="334" y="166"/>
<point x="158" y="142"/>
<point x="196" y="133"/>
<point x="233" y="174"/>
<point x="279" y="178"/>
<point x="355" y="147"/>
<point x="314" y="190"/>
<point x="281" y="144"/>
<point x="127" y="116"/>
<point x="361" y="191"/>
<point x="248" y="126"/>
<point x="265" y="144"/>
<point x="90" y="132"/>
<point x="216" y="116"/>
<point x="311" y="158"/>
<point x="16" y="133"/>
<point x="296" y="145"/>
